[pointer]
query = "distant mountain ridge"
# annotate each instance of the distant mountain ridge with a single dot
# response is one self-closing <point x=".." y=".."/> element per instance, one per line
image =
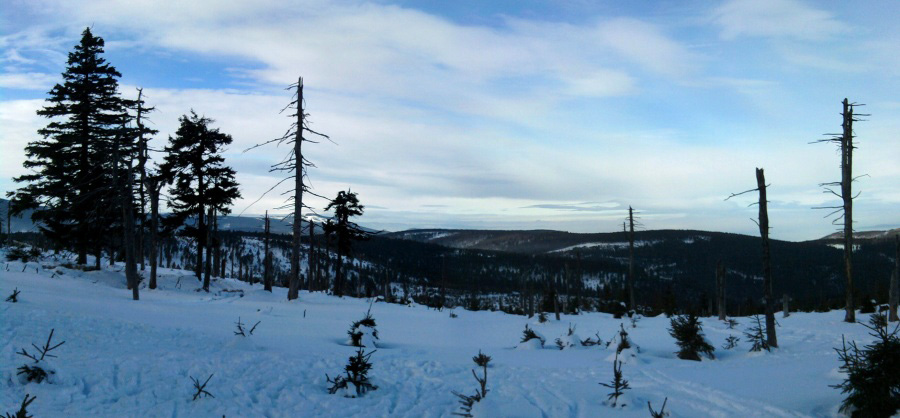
<point x="544" y="241"/>
<point x="279" y="224"/>
<point x="20" y="223"/>
<point x="541" y="241"/>
<point x="864" y="235"/>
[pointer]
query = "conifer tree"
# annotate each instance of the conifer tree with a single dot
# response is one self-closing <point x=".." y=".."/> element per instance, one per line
<point x="202" y="182"/>
<point x="70" y="167"/>
<point x="345" y="205"/>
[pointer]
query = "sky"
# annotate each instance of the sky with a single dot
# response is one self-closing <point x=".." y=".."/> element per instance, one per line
<point x="506" y="114"/>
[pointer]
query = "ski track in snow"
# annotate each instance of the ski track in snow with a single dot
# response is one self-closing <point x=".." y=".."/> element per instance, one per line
<point x="127" y="358"/>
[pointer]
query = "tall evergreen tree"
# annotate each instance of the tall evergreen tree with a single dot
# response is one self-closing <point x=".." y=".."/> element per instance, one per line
<point x="345" y="205"/>
<point x="201" y="181"/>
<point x="69" y="183"/>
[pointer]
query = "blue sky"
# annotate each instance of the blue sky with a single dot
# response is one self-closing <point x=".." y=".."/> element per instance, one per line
<point x="507" y="114"/>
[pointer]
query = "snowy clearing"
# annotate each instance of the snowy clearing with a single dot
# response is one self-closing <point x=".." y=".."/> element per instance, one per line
<point x="136" y="358"/>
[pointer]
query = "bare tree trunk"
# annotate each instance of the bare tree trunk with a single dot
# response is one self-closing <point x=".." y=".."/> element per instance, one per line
<point x="216" y="245"/>
<point x="720" y="289"/>
<point x="208" y="266"/>
<point x="339" y="275"/>
<point x="312" y="271"/>
<point x="555" y="302"/>
<point x="894" y="297"/>
<point x="125" y="202"/>
<point x="786" y="309"/>
<point x="154" y="185"/>
<point x="632" y="306"/>
<point x="771" y="338"/>
<point x="847" y="196"/>
<point x="443" y="281"/>
<point x="387" y="285"/>
<point x="130" y="264"/>
<point x="293" y="292"/>
<point x="267" y="275"/>
<point x="201" y="234"/>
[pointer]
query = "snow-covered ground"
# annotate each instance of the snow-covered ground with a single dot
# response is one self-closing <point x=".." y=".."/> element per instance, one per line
<point x="135" y="358"/>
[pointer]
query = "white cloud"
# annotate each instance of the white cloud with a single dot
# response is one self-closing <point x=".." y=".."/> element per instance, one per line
<point x="27" y="81"/>
<point x="777" y="19"/>
<point x="476" y="119"/>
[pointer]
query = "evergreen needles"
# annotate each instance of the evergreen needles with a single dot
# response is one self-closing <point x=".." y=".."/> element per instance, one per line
<point x="756" y="334"/>
<point x="14" y="297"/>
<point x="356" y="373"/>
<point x="23" y="412"/>
<point x="618" y="384"/>
<point x="688" y="333"/>
<point x="201" y="389"/>
<point x="872" y="384"/>
<point x="468" y="401"/>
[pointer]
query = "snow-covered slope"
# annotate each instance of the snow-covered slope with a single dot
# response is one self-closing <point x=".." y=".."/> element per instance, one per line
<point x="135" y="358"/>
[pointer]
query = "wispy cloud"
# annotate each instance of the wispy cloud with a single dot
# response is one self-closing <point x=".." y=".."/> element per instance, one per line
<point x="27" y="81"/>
<point x="512" y="121"/>
<point x="777" y="19"/>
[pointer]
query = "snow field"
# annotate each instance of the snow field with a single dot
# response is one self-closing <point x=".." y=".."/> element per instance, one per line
<point x="128" y="358"/>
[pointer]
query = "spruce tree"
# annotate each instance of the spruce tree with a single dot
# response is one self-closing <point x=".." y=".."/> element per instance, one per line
<point x="688" y="333"/>
<point x="201" y="181"/>
<point x="69" y="183"/>
<point x="345" y="205"/>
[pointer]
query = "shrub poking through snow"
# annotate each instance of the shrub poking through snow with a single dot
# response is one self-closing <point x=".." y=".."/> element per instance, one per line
<point x="624" y="341"/>
<point x="730" y="342"/>
<point x="23" y="409"/>
<point x="529" y="335"/>
<point x="36" y="373"/>
<point x="356" y="373"/>
<point x="571" y="330"/>
<point x="201" y="389"/>
<point x="731" y="323"/>
<point x="756" y="334"/>
<point x="242" y="330"/>
<point x="618" y="384"/>
<point x="634" y="320"/>
<point x="20" y="253"/>
<point x="872" y="384"/>
<point x="560" y="343"/>
<point x="867" y="305"/>
<point x="662" y="411"/>
<point x="363" y="332"/>
<point x="688" y="334"/>
<point x="592" y="342"/>
<point x="453" y="314"/>
<point x="542" y="317"/>
<point x="467" y="401"/>
<point x="14" y="297"/>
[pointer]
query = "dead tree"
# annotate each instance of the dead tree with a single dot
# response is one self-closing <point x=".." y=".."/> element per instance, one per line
<point x="786" y="308"/>
<point x="207" y="267"/>
<point x="154" y="185"/>
<point x="845" y="143"/>
<point x="894" y="296"/>
<point x="267" y="275"/>
<point x="763" y="224"/>
<point x="631" y="305"/>
<point x="216" y="243"/>
<point x="295" y="164"/>
<point x="142" y="157"/>
<point x="720" y="289"/>
<point x="125" y="193"/>
<point x="312" y="272"/>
